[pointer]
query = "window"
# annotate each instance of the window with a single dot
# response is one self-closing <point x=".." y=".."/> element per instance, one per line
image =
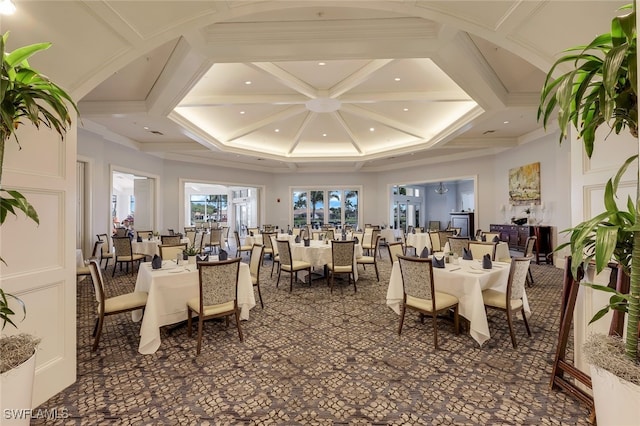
<point x="319" y="207"/>
<point x="208" y="208"/>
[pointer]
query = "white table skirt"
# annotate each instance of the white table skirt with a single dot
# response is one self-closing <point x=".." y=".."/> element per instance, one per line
<point x="169" y="292"/>
<point x="318" y="254"/>
<point x="419" y="240"/>
<point x="390" y="235"/>
<point x="257" y="239"/>
<point x="466" y="284"/>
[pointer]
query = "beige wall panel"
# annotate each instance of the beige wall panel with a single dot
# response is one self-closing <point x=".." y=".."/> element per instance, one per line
<point x="40" y="153"/>
<point x="22" y="239"/>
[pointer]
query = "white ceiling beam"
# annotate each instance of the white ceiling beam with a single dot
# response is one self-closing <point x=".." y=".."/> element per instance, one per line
<point x="431" y="96"/>
<point x="90" y="109"/>
<point x="216" y="100"/>
<point x="286" y="78"/>
<point x="394" y="124"/>
<point x="282" y="115"/>
<point x="182" y="71"/>
<point x="296" y="140"/>
<point x="354" y="140"/>
<point x="358" y="77"/>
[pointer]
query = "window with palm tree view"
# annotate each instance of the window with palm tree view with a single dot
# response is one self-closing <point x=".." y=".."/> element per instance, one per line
<point x="208" y="208"/>
<point x="318" y="207"/>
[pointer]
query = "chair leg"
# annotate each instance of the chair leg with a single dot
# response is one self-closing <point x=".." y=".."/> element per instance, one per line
<point x="456" y="320"/>
<point x="238" y="325"/>
<point x="260" y="296"/>
<point x="200" y="326"/>
<point x="435" y="329"/>
<point x="355" y="289"/>
<point x="97" y="332"/>
<point x="402" y="311"/>
<point x="377" y="274"/>
<point x="291" y="280"/>
<point x="526" y="323"/>
<point x="513" y="336"/>
<point x="115" y="264"/>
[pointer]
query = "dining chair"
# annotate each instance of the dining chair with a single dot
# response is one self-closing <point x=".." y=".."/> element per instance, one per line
<point x="480" y="248"/>
<point x="172" y="251"/>
<point x="370" y="241"/>
<point x="395" y="249"/>
<point x="529" y="251"/>
<point x="434" y="225"/>
<point x="511" y="301"/>
<point x="217" y="297"/>
<point x="342" y="253"/>
<point x="170" y="240"/>
<point x="330" y="234"/>
<point x="370" y="260"/>
<point x="96" y="254"/>
<point x="276" y="255"/>
<point x="253" y="231"/>
<point x="198" y="239"/>
<point x="254" y="267"/>
<point x="113" y="305"/>
<point x="436" y="244"/>
<point x="121" y="232"/>
<point x="225" y="236"/>
<point x="124" y="254"/>
<point x="458" y="244"/>
<point x="420" y="295"/>
<point x="490" y="236"/>
<point x="191" y="235"/>
<point x="107" y="252"/>
<point x="444" y="238"/>
<point x="215" y="240"/>
<point x="267" y="244"/>
<point x="239" y="247"/>
<point x="289" y="265"/>
<point x="145" y="235"/>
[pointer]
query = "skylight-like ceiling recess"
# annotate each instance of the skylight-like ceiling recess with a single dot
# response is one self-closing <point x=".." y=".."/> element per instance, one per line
<point x="336" y="109"/>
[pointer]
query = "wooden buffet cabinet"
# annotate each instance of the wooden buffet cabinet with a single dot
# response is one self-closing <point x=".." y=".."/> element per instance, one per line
<point x="516" y="236"/>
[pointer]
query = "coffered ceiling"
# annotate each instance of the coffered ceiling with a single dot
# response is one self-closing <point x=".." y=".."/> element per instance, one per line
<point x="320" y="86"/>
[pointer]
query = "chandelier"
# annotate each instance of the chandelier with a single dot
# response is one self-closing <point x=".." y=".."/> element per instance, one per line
<point x="441" y="189"/>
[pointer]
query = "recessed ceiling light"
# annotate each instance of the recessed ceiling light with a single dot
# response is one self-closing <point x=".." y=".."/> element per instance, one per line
<point x="324" y="134"/>
<point x="277" y="130"/>
<point x="241" y="112"/>
<point x="397" y="79"/>
<point x="372" y="129"/>
<point x="146" y="128"/>
<point x="247" y="82"/>
<point x="506" y="122"/>
<point x="405" y="109"/>
<point x="322" y="63"/>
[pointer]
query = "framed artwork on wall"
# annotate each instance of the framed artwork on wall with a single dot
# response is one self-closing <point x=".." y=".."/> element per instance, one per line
<point x="524" y="185"/>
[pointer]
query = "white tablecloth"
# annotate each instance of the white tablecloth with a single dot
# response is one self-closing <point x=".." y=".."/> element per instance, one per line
<point x="419" y="240"/>
<point x="150" y="247"/>
<point x="318" y="254"/>
<point x="466" y="284"/>
<point x="257" y="239"/>
<point x="390" y="235"/>
<point x="169" y="292"/>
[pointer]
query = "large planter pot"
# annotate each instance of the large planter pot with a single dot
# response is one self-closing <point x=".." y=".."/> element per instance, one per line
<point x="17" y="388"/>
<point x="616" y="400"/>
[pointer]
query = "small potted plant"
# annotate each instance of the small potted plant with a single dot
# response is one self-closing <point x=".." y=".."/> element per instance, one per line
<point x="191" y="252"/>
<point x="26" y="96"/>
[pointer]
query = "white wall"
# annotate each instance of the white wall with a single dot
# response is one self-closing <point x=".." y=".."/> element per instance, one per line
<point x="491" y="172"/>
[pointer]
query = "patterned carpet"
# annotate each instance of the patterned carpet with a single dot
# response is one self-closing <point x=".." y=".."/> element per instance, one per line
<point x="315" y="358"/>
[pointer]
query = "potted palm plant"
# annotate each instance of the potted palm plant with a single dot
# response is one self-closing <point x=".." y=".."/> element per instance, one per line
<point x="601" y="88"/>
<point x="26" y="97"/>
